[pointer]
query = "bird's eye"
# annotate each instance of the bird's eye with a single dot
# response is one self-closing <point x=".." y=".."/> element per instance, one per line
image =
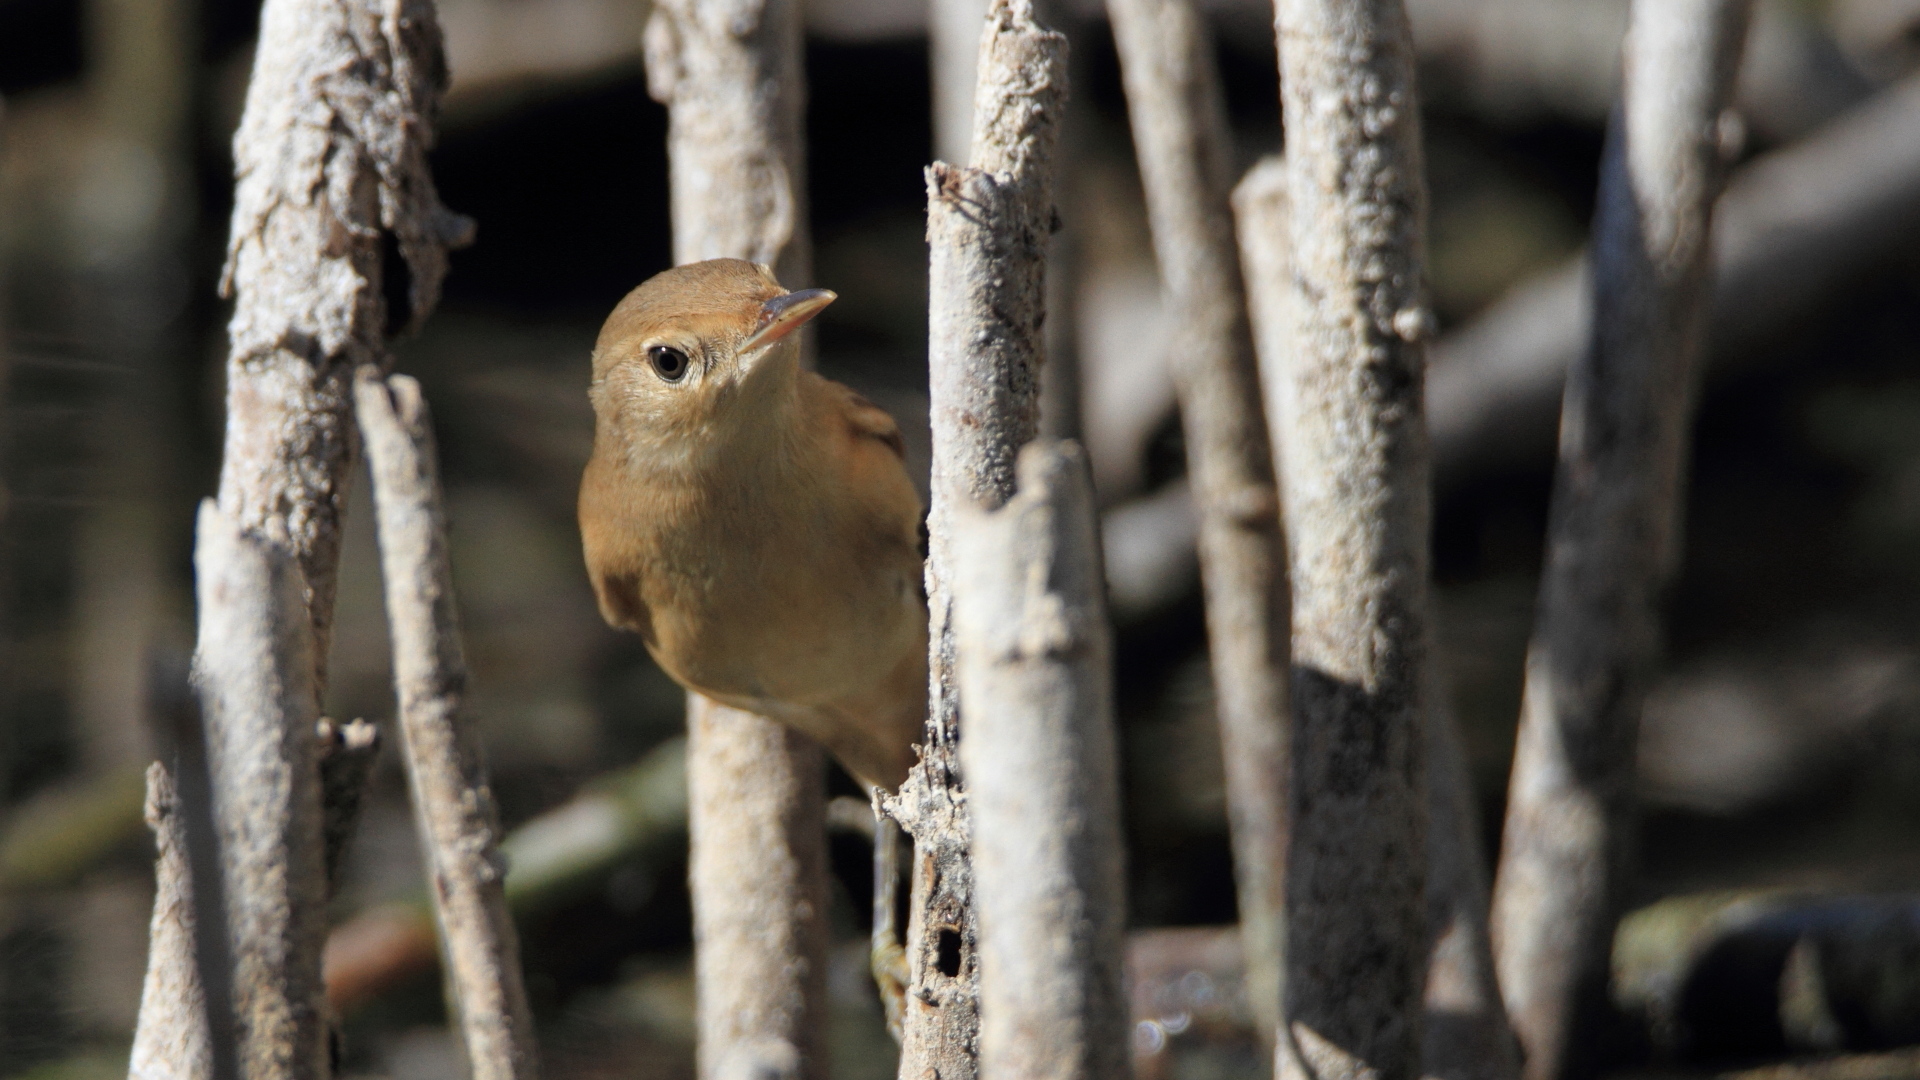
<point x="668" y="362"/>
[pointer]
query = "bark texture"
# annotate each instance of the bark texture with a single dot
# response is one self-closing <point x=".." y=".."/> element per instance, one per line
<point x="757" y="822"/>
<point x="453" y="803"/>
<point x="339" y="240"/>
<point x="1353" y="462"/>
<point x="1181" y="137"/>
<point x="987" y="227"/>
<point x="253" y="666"/>
<point x="1612" y="534"/>
<point x="172" y="1040"/>
<point x="731" y="77"/>
<point x="1466" y="1034"/>
<point x="1035" y="677"/>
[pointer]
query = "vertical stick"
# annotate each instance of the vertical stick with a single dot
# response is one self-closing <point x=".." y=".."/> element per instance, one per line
<point x="185" y="1029"/>
<point x="253" y="666"/>
<point x="987" y="228"/>
<point x="1036" y="681"/>
<point x="331" y="160"/>
<point x="1181" y="137"/>
<point x="452" y="799"/>
<point x="172" y="1040"/>
<point x="1466" y="1022"/>
<point x="1612" y="533"/>
<point x="1353" y="461"/>
<point x="757" y="823"/>
<point x="332" y="183"/>
<point x="730" y="76"/>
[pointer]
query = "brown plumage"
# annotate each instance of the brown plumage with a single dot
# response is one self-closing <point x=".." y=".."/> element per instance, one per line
<point x="752" y="521"/>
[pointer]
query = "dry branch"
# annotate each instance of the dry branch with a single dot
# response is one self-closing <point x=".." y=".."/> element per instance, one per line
<point x="333" y="184"/>
<point x="173" y="1039"/>
<point x="458" y="823"/>
<point x="1183" y="143"/>
<point x="253" y="667"/>
<point x="1035" y="680"/>
<point x="1353" y="461"/>
<point x="953" y="42"/>
<point x="987" y="227"/>
<point x="730" y="76"/>
<point x="1612" y="533"/>
<point x="1466" y="1028"/>
<point x="758" y="873"/>
<point x="333" y="194"/>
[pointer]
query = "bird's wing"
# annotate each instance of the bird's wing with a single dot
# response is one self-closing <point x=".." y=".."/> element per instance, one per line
<point x="867" y="420"/>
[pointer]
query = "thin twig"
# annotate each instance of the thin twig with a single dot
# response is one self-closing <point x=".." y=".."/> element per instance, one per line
<point x="1612" y="535"/>
<point x="1183" y="143"/>
<point x="1794" y="230"/>
<point x="452" y="798"/>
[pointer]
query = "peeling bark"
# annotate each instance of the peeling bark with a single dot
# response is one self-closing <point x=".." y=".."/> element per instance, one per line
<point x="987" y="227"/>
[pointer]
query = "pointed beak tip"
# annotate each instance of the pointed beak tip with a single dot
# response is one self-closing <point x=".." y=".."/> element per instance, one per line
<point x="787" y="312"/>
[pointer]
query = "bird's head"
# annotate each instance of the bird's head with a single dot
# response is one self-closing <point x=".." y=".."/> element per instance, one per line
<point x="695" y="348"/>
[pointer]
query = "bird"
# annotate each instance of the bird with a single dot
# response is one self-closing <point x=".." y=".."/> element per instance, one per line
<point x="753" y="521"/>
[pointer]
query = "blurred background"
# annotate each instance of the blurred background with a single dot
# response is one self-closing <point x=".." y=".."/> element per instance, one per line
<point x="1781" y="750"/>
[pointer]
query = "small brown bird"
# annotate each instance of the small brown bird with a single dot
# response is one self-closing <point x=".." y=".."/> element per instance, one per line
<point x="752" y="521"/>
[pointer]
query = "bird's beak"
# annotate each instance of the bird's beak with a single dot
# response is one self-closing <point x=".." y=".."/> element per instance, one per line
<point x="782" y="315"/>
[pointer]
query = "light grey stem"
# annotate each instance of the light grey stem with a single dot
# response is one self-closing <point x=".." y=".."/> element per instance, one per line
<point x="1354" y="478"/>
<point x="731" y="77"/>
<point x="987" y="228"/>
<point x="185" y="1029"/>
<point x="253" y="667"/>
<point x="453" y="803"/>
<point x="1612" y="534"/>
<point x="1035" y="677"/>
<point x="331" y="161"/>
<point x="1466" y="1022"/>
<point x="1184" y="146"/>
<point x="171" y="1040"/>
<point x="1794" y="230"/>
<point x="756" y="815"/>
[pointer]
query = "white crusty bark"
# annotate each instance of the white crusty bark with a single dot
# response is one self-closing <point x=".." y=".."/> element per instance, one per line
<point x="339" y="240"/>
<point x="1035" y="671"/>
<point x="253" y="669"/>
<point x="1354" y="479"/>
<point x="987" y="228"/>
<point x="453" y="803"/>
